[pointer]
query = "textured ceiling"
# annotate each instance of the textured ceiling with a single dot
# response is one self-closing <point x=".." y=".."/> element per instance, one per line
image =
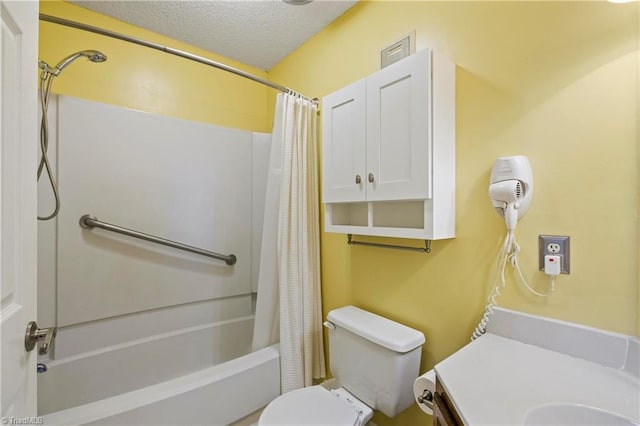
<point x="255" y="32"/>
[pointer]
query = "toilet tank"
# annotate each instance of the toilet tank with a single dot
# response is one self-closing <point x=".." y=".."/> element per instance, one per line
<point x="374" y="358"/>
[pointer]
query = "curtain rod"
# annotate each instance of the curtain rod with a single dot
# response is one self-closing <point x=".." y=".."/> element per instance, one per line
<point x="166" y="49"/>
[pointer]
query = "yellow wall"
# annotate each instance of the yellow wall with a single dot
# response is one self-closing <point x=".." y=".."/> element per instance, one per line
<point x="556" y="81"/>
<point x="144" y="79"/>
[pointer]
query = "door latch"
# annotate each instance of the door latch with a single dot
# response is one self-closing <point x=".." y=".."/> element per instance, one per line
<point x="34" y="335"/>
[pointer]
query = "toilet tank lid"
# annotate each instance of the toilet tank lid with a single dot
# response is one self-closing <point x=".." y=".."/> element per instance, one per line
<point x="377" y="329"/>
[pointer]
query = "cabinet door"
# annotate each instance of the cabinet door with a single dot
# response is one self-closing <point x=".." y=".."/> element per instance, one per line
<point x="344" y="145"/>
<point x="444" y="414"/>
<point x="399" y="130"/>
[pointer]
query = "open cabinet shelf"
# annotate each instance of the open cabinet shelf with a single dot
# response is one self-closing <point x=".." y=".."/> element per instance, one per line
<point x="400" y="219"/>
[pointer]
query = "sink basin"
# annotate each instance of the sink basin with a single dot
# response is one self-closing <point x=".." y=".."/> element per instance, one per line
<point x="574" y="414"/>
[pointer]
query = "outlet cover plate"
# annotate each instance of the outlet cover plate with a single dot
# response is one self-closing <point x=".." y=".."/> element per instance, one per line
<point x="561" y="241"/>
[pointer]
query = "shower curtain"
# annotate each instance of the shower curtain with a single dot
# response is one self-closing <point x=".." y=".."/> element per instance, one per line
<point x="290" y="263"/>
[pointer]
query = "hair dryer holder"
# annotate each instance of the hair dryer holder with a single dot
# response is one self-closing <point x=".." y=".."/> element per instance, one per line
<point x="511" y="182"/>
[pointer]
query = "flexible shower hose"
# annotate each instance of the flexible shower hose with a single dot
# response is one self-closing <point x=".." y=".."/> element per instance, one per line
<point x="46" y="79"/>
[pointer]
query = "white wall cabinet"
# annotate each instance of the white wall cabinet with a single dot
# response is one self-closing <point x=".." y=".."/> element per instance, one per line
<point x="389" y="151"/>
<point x="344" y="144"/>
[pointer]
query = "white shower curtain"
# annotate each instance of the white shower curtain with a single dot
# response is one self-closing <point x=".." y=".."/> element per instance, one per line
<point x="294" y="247"/>
<point x="301" y="346"/>
<point x="266" y="328"/>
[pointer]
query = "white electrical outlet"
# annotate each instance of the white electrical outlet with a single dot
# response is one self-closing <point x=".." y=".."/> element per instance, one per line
<point x="556" y="246"/>
<point x="553" y="248"/>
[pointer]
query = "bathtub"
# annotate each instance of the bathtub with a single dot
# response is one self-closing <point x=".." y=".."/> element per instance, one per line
<point x="217" y="395"/>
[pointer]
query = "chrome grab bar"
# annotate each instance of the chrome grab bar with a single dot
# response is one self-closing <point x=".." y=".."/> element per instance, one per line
<point x="88" y="222"/>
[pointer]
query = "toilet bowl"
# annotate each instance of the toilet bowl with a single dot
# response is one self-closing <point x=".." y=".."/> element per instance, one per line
<point x="373" y="358"/>
<point x="316" y="405"/>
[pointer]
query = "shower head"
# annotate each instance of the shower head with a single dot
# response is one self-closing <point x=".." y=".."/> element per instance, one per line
<point x="92" y="55"/>
<point x="97" y="56"/>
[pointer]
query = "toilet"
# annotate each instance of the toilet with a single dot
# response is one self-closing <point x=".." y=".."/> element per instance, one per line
<point x="375" y="360"/>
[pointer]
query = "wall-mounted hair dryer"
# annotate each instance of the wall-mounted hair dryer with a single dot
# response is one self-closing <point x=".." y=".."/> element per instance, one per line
<point x="511" y="188"/>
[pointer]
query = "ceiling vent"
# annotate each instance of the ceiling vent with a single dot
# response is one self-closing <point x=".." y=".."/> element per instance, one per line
<point x="398" y="50"/>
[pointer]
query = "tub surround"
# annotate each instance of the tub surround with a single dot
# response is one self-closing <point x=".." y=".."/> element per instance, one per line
<point x="524" y="362"/>
<point x="126" y="309"/>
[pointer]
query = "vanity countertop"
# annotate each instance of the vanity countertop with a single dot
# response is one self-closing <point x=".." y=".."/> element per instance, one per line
<point x="496" y="380"/>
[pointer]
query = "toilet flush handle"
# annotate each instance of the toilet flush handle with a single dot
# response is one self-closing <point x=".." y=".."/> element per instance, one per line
<point x="329" y="325"/>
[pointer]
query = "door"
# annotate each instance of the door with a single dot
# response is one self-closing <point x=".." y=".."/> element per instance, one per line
<point x="18" y="161"/>
<point x="399" y="130"/>
<point x="344" y="145"/>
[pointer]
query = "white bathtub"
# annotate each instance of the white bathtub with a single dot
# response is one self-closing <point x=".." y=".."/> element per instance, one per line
<point x="217" y="395"/>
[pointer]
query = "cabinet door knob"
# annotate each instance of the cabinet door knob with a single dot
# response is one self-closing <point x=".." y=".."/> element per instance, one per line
<point x="371" y="178"/>
<point x="358" y="179"/>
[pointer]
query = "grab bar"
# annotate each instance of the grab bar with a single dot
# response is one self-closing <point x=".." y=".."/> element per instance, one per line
<point x="88" y="222"/>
